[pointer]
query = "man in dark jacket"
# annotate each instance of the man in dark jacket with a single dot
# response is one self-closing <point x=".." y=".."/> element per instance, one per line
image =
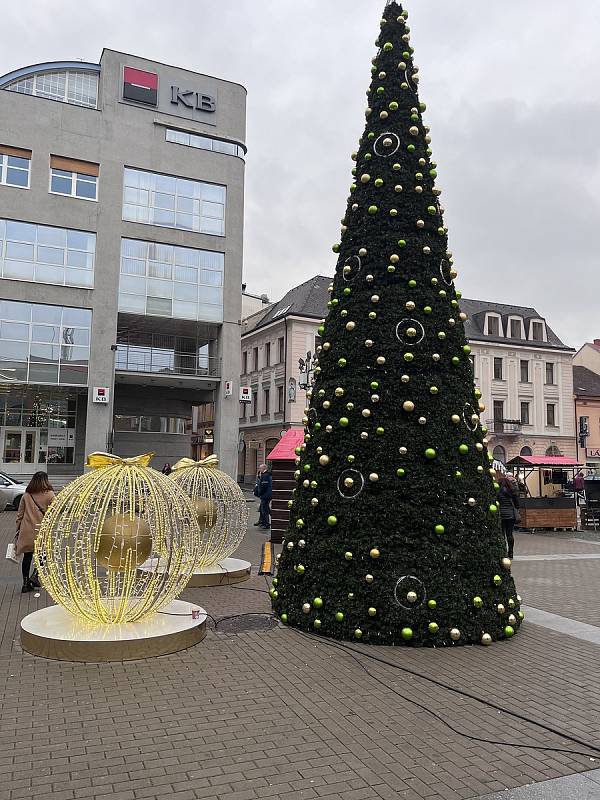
<point x="265" y="493"/>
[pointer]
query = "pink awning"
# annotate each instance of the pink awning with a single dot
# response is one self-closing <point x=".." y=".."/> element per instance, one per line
<point x="285" y="448"/>
<point x="544" y="461"/>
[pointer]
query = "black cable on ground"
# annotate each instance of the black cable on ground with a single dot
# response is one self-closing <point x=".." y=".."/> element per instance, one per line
<point x="354" y="653"/>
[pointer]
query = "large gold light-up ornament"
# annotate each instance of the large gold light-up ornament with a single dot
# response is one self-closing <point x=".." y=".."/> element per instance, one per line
<point x="219" y="504"/>
<point x="101" y="527"/>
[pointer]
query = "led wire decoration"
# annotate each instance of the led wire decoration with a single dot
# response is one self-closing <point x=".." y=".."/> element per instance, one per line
<point x="102" y="526"/>
<point x="219" y="503"/>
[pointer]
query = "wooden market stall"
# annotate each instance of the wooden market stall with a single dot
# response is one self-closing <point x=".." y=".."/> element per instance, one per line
<point x="283" y="466"/>
<point x="545" y="501"/>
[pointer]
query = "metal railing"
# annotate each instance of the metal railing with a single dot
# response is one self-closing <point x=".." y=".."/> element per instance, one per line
<point x="156" y="361"/>
<point x="509" y="427"/>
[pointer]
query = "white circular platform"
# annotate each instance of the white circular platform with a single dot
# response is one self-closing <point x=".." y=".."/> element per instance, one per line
<point x="54" y="633"/>
<point x="223" y="573"/>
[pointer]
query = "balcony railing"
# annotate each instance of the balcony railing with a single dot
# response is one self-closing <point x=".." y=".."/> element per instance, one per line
<point x="508" y="427"/>
<point x="157" y="361"/>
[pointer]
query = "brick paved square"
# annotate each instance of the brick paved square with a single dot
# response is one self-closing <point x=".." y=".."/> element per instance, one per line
<point x="272" y="714"/>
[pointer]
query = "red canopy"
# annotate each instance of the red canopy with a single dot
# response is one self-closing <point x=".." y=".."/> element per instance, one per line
<point x="543" y="461"/>
<point x="285" y="448"/>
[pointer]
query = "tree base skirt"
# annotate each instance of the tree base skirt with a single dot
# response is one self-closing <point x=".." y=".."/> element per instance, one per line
<point x="54" y="633"/>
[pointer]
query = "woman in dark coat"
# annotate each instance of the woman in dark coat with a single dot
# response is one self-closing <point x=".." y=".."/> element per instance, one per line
<point x="508" y="501"/>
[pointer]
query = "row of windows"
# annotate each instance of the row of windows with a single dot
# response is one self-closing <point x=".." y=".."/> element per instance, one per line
<point x="500" y="452"/>
<point x="15" y="170"/>
<point x="125" y="423"/>
<point x="204" y="143"/>
<point x="524" y="374"/>
<point x="516" y="328"/>
<point x="525" y="417"/>
<point x="250" y="357"/>
<point x="266" y="404"/>
<point x="75" y="88"/>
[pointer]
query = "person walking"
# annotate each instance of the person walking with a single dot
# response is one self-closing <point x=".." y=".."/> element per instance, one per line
<point x="508" y="501"/>
<point x="265" y="493"/>
<point x="167" y="469"/>
<point x="34" y="504"/>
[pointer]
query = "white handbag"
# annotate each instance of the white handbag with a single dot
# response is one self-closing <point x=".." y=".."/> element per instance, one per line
<point x="11" y="553"/>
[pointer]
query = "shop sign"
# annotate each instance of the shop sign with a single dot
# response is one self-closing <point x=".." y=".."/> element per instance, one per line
<point x="61" y="437"/>
<point x="245" y="394"/>
<point x="592" y="452"/>
<point x="101" y="394"/>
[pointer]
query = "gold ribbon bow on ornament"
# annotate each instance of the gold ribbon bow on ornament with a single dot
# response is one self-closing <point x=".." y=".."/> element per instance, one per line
<point x="212" y="462"/>
<point x="97" y="460"/>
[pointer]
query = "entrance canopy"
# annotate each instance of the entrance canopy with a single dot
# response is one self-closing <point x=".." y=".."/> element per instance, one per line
<point x="543" y="461"/>
<point x="285" y="449"/>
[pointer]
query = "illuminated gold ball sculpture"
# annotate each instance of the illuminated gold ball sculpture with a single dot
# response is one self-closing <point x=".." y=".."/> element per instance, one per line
<point x="104" y="525"/>
<point x="219" y="504"/>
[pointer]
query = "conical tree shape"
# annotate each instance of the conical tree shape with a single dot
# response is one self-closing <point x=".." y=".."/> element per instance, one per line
<point x="394" y="534"/>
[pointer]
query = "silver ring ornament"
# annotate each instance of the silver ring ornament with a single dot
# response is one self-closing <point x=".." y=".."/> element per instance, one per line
<point x="355" y="264"/>
<point x="445" y="271"/>
<point x="409" y="79"/>
<point x="468" y="412"/>
<point x="385" y="151"/>
<point x="406" y="584"/>
<point x="407" y="322"/>
<point x="349" y="493"/>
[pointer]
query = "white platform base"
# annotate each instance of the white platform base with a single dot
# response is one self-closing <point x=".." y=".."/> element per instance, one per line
<point x="54" y="633"/>
<point x="223" y="573"/>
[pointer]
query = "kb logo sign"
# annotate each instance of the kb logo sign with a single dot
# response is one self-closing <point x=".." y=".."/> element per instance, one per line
<point x="191" y="99"/>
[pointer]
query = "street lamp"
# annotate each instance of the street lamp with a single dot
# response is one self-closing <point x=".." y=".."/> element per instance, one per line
<point x="306" y="367"/>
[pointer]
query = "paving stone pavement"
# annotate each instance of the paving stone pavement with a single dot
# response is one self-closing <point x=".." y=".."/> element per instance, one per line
<point x="275" y="714"/>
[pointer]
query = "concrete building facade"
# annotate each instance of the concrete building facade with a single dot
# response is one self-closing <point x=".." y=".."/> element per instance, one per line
<point x="273" y="342"/>
<point x="121" y="223"/>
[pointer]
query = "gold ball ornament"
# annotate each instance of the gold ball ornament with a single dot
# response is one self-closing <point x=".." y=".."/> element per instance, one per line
<point x="324" y="461"/>
<point x="104" y="525"/>
<point x="408" y="405"/>
<point x="374" y="553"/>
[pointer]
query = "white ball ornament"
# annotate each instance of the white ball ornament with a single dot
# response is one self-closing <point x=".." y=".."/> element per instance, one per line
<point x="422" y="420"/>
<point x="328" y="429"/>
<point x="427" y="250"/>
<point x="387" y="142"/>
<point x="350" y="326"/>
<point x="306" y="608"/>
<point x="380" y="360"/>
<point x="413" y="130"/>
<point x="506" y="563"/>
<point x="455" y="634"/>
<point x="471" y="501"/>
<point x="369" y="342"/>
<point x="408" y="405"/>
<point x="369" y="578"/>
<point x="373" y="477"/>
<point x="500" y="608"/>
<point x="420" y="223"/>
<point x="290" y="545"/>
<point x="512" y="619"/>
<point x="324" y="461"/>
<point x="412" y="597"/>
<point x="436" y="356"/>
<point x="486" y="639"/>
<point x="301" y="543"/>
<point x="405" y="379"/>
<point x="362" y="252"/>
<point x="366" y="412"/>
<point x="410" y="306"/>
<point x="403" y="451"/>
<point x="365" y="178"/>
<point x="383" y="115"/>
<point x="369" y="278"/>
<point x="455" y="419"/>
<point x="394" y="259"/>
<point x="364" y="436"/>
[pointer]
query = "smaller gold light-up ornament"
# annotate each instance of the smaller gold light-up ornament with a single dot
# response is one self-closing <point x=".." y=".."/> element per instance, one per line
<point x="219" y="504"/>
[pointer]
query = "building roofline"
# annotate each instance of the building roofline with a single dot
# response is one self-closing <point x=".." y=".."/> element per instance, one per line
<point x="173" y="66"/>
<point x="47" y="66"/>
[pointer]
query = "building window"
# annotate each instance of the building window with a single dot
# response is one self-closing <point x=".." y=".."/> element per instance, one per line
<point x="499" y="454"/>
<point x="268" y="354"/>
<point x="254" y="403"/>
<point x="280" y="398"/>
<point x="243" y="410"/>
<point x="162" y="280"/>
<point x="204" y="143"/>
<point x="551" y="414"/>
<point x="550" y="374"/>
<point x="14" y="167"/>
<point x="553" y="450"/>
<point x="498" y="369"/>
<point x="493" y="325"/>
<point x="74" y="178"/>
<point x="473" y="366"/>
<point x="526" y="451"/>
<point x="516" y="329"/>
<point x="44" y="344"/>
<point x="524" y="413"/>
<point x="43" y="254"/>
<point x="75" y="88"/>
<point x="164" y="200"/>
<point x="524" y="371"/>
<point x="281" y="350"/>
<point x="537" y="331"/>
<point x="254" y="359"/>
<point x="266" y="401"/>
<point x="125" y="423"/>
<point x="498" y="416"/>
<point x="244" y="362"/>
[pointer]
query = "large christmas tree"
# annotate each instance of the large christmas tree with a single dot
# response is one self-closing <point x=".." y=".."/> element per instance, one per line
<point x="394" y="533"/>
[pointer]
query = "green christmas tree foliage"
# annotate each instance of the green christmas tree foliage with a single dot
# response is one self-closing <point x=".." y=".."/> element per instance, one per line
<point x="394" y="533"/>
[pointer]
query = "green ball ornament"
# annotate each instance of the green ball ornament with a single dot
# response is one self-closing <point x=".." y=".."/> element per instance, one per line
<point x="397" y="167"/>
<point x="348" y="556"/>
<point x="284" y="618"/>
<point x="347" y="291"/>
<point x="393" y="106"/>
<point x="387" y="47"/>
<point x="439" y="529"/>
<point x="317" y="623"/>
<point x="372" y="315"/>
<point x="374" y="385"/>
<point x="432" y="604"/>
<point x="350" y="459"/>
<point x="407" y="634"/>
<point x="466" y="349"/>
<point x="422" y="107"/>
<point x="372" y="611"/>
<point x="290" y="504"/>
<point x="433" y="390"/>
<point x="370" y="135"/>
<point x="477" y="602"/>
<point x="477" y="393"/>
<point x="433" y="627"/>
<point x="427" y="310"/>
<point x="273" y="593"/>
<point x="344" y="422"/>
<point x="463" y="449"/>
<point x="358" y="633"/>
<point x="313" y="484"/>
<point x="332" y="520"/>
<point x="342" y="362"/>
<point x="455" y="360"/>
<point x="380" y="90"/>
<point x="509" y="631"/>
<point x="431" y="210"/>
<point x="521" y="615"/>
<point x="335" y="301"/>
<point x="336" y="248"/>
<point x="321" y="329"/>
<point x="299" y="523"/>
<point x="401" y="242"/>
<point x="380" y="431"/>
<point x="378" y="182"/>
<point x="400" y="472"/>
<point x="409" y="357"/>
<point x="497" y="580"/>
<point x="411" y="148"/>
<point x="406" y="55"/>
<point x="306" y="468"/>
<point x="433" y="173"/>
<point x="430" y="453"/>
<point x="317" y="426"/>
<point x="318" y="602"/>
<point x="368" y="156"/>
<point x="412" y="283"/>
<point x="373" y="209"/>
<point x="441" y="336"/>
<point x="350" y="595"/>
<point x="339" y="617"/>
<point x="300" y="569"/>
<point x="458" y="474"/>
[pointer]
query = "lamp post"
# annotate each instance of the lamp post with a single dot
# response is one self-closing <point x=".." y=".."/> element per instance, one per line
<point x="306" y="367"/>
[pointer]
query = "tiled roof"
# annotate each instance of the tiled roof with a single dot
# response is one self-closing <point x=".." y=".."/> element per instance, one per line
<point x="585" y="382"/>
<point x="307" y="300"/>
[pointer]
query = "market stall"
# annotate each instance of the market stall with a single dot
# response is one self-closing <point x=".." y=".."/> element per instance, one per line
<point x="283" y="465"/>
<point x="546" y="501"/>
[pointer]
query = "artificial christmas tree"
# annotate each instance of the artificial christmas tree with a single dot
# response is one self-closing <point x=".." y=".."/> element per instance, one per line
<point x="394" y="534"/>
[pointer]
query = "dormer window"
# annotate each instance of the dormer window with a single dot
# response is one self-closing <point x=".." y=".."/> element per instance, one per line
<point x="537" y="331"/>
<point x="493" y="324"/>
<point x="516" y="328"/>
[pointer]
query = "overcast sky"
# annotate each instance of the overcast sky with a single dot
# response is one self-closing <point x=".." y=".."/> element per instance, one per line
<point x="512" y="90"/>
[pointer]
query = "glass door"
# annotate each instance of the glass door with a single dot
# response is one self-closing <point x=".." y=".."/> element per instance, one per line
<point x="18" y="448"/>
<point x="12" y="445"/>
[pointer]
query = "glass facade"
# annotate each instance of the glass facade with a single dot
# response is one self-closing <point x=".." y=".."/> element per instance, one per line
<point x="75" y="88"/>
<point x="167" y="281"/>
<point x="125" y="423"/>
<point x="14" y="171"/>
<point x="44" y="254"/>
<point x="164" y="200"/>
<point x="204" y="143"/>
<point x="44" y="344"/>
